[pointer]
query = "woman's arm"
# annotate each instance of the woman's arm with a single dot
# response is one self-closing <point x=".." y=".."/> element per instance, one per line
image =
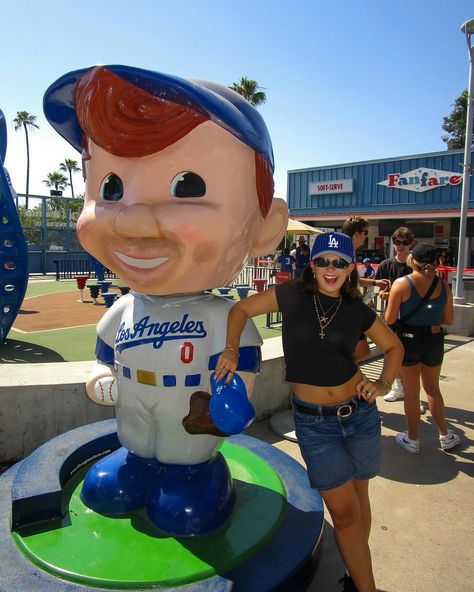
<point x="393" y="351"/>
<point x="239" y="314"/>
<point x="394" y="301"/>
<point x="448" y="315"/>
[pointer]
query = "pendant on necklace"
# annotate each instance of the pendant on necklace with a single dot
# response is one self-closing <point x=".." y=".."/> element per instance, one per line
<point x="322" y="334"/>
<point x="323" y="319"/>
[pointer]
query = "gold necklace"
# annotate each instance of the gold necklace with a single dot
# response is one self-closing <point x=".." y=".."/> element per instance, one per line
<point x="323" y="320"/>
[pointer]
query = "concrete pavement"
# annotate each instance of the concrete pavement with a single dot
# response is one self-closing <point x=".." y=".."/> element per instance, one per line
<point x="422" y="536"/>
<point x="422" y="533"/>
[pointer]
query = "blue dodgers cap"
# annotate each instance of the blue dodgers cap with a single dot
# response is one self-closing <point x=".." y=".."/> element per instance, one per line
<point x="217" y="102"/>
<point x="336" y="243"/>
<point x="366" y="260"/>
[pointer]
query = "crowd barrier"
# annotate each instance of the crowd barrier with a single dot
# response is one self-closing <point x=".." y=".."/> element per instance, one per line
<point x="68" y="269"/>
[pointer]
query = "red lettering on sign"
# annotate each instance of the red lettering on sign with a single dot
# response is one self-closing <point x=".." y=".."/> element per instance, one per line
<point x="392" y="179"/>
<point x="455" y="179"/>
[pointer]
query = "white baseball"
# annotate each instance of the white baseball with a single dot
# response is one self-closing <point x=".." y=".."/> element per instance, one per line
<point x="106" y="391"/>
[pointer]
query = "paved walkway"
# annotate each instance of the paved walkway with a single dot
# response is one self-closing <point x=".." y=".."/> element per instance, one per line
<point x="422" y="536"/>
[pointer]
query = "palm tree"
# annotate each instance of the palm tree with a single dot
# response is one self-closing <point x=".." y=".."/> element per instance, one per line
<point x="70" y="166"/>
<point x="249" y="90"/>
<point x="56" y="180"/>
<point x="25" y="120"/>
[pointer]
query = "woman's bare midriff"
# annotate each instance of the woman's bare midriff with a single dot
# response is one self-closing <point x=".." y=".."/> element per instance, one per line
<point x="327" y="395"/>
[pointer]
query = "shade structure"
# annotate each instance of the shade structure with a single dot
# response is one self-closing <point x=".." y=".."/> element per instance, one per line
<point x="297" y="227"/>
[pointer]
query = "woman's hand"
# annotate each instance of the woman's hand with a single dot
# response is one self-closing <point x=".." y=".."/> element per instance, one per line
<point x="227" y="364"/>
<point x="369" y="390"/>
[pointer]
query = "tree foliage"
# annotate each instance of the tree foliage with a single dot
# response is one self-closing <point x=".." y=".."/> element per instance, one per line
<point x="249" y="89"/>
<point x="455" y="123"/>
<point x="70" y="166"/>
<point x="56" y="180"/>
<point x="26" y="120"/>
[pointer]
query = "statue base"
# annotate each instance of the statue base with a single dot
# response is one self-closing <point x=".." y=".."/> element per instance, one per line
<point x="50" y="540"/>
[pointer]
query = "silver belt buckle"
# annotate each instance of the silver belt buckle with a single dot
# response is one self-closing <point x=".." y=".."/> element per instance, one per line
<point x="344" y="410"/>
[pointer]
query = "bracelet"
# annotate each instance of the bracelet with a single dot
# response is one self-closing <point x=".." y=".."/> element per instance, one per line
<point x="386" y="384"/>
<point x="228" y="348"/>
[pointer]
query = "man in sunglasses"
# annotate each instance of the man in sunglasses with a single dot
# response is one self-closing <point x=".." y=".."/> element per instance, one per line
<point x="357" y="228"/>
<point x="391" y="269"/>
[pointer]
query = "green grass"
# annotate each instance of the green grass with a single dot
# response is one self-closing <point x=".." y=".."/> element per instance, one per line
<point x="68" y="345"/>
<point x="41" y="287"/>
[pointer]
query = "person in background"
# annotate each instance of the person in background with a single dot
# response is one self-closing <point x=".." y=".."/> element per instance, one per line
<point x="392" y="269"/>
<point x="293" y="250"/>
<point x="443" y="257"/>
<point x="302" y="256"/>
<point x="357" y="228"/>
<point x="367" y="271"/>
<point x="423" y="338"/>
<point x="336" y="418"/>
<point x="285" y="261"/>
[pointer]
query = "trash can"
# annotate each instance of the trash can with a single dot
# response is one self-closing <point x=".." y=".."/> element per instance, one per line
<point x="260" y="284"/>
<point x="283" y="276"/>
<point x="243" y="291"/>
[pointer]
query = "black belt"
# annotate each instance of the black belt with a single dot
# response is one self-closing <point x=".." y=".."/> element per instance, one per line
<point x="417" y="330"/>
<point x="343" y="410"/>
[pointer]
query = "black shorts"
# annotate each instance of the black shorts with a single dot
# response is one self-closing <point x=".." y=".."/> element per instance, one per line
<point x="422" y="346"/>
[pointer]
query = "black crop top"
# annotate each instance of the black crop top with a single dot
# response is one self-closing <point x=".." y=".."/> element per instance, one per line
<point x="309" y="358"/>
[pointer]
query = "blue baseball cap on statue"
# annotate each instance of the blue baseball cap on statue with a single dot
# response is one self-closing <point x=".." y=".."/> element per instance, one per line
<point x="214" y="101"/>
<point x="335" y="243"/>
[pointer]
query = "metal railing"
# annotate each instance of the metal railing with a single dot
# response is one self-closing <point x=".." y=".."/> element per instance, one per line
<point x="68" y="269"/>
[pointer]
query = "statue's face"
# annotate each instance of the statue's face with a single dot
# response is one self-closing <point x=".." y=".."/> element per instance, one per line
<point x="181" y="220"/>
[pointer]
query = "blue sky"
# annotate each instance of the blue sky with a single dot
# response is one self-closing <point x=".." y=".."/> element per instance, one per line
<point x="346" y="80"/>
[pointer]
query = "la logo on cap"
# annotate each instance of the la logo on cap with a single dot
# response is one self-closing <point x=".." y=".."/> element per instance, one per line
<point x="333" y="242"/>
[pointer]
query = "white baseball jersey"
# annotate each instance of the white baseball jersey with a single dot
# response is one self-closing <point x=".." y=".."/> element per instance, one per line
<point x="162" y="353"/>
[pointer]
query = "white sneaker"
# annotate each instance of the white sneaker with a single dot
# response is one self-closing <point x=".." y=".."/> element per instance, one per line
<point x="411" y="445"/>
<point x="396" y="394"/>
<point x="449" y="441"/>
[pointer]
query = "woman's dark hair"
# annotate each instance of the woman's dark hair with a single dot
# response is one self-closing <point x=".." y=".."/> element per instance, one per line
<point x="350" y="289"/>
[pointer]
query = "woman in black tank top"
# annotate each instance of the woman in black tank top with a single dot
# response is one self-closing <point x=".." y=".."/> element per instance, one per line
<point x="336" y="419"/>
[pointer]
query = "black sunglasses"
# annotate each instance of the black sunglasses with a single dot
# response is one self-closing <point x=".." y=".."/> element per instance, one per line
<point x="337" y="263"/>
<point x="401" y="242"/>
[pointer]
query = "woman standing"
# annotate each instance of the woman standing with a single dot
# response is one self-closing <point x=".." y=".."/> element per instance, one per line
<point x="336" y="418"/>
<point x="422" y="336"/>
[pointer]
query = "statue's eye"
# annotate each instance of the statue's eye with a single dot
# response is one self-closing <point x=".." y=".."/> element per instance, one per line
<point x="111" y="188"/>
<point x="188" y="184"/>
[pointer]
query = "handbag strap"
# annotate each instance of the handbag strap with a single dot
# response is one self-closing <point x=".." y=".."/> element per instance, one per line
<point x="426" y="297"/>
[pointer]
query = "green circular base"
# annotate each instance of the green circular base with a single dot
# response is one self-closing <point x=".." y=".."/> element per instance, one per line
<point x="129" y="553"/>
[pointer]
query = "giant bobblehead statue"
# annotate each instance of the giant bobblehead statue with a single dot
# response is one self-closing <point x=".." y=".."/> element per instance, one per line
<point x="179" y="187"/>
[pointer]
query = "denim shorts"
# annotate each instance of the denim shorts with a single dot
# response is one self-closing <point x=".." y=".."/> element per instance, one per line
<point x="337" y="449"/>
<point x="425" y="348"/>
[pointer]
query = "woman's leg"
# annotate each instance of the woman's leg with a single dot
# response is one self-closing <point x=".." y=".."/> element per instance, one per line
<point x="430" y="382"/>
<point x="411" y="384"/>
<point x="361" y="487"/>
<point x="351" y="535"/>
